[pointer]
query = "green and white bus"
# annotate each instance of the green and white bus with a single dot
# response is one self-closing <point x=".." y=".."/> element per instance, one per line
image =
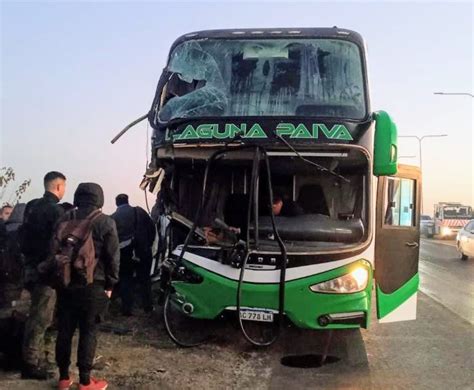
<point x="279" y="191"/>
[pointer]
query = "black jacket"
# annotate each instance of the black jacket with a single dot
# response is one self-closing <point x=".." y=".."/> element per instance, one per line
<point x="89" y="197"/>
<point x="40" y="218"/>
<point x="135" y="223"/>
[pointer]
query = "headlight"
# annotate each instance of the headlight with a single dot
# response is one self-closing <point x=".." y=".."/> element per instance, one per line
<point x="352" y="282"/>
<point x="445" y="231"/>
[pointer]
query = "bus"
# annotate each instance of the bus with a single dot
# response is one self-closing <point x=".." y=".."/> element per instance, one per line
<point x="279" y="192"/>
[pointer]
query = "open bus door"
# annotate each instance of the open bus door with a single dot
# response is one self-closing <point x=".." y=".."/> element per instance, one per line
<point x="397" y="240"/>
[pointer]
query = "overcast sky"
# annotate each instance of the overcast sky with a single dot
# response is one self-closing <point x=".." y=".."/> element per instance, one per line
<point x="74" y="74"/>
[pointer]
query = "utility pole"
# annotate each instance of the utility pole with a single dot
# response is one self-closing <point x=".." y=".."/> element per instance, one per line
<point x="420" y="140"/>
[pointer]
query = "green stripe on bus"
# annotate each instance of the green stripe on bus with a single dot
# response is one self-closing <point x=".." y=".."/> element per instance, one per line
<point x="386" y="303"/>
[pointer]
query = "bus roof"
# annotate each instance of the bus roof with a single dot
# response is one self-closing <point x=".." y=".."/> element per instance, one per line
<point x="273" y="33"/>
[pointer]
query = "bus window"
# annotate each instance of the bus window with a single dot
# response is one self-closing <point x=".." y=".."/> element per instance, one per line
<point x="399" y="204"/>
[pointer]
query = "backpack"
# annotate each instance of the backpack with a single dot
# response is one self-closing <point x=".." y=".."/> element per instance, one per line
<point x="73" y="258"/>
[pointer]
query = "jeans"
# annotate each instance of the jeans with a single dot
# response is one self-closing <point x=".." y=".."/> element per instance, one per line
<point x="79" y="307"/>
<point x="128" y="269"/>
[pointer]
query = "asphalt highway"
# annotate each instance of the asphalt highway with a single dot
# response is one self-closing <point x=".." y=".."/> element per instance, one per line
<point x="434" y="352"/>
<point x="446" y="278"/>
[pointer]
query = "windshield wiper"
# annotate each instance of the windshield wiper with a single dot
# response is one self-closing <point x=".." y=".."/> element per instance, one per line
<point x="318" y="166"/>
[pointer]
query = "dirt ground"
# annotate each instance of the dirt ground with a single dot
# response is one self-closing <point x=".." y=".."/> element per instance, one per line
<point x="147" y="359"/>
<point x="434" y="352"/>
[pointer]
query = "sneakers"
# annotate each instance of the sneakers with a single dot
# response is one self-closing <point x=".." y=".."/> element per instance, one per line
<point x="65" y="384"/>
<point x="35" y="372"/>
<point x="95" y="384"/>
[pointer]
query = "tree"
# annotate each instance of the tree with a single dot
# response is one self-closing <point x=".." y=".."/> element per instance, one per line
<point x="10" y="191"/>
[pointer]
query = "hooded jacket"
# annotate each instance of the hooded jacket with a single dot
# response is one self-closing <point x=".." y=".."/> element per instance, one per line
<point x="87" y="198"/>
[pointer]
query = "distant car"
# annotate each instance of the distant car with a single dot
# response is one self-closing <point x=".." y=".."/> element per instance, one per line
<point x="465" y="240"/>
<point x="426" y="226"/>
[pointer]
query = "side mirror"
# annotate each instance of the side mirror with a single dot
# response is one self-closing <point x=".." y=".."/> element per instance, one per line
<point x="385" y="145"/>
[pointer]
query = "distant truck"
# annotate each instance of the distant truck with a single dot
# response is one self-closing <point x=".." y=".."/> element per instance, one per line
<point x="450" y="218"/>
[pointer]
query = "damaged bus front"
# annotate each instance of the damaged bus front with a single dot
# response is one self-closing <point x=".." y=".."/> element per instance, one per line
<point x="279" y="190"/>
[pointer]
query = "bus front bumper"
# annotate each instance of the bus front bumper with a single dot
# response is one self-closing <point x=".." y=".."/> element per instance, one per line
<point x="303" y="307"/>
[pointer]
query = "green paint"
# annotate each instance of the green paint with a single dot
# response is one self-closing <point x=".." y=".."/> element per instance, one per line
<point x="301" y="132"/>
<point x="189" y="133"/>
<point x="232" y="130"/>
<point x="343" y="134"/>
<point x="284" y="129"/>
<point x="386" y="303"/>
<point x="205" y="131"/>
<point x="327" y="133"/>
<point x="255" y="131"/>
<point x="235" y="130"/>
<point x="217" y="134"/>
<point x="385" y="145"/>
<point x="302" y="306"/>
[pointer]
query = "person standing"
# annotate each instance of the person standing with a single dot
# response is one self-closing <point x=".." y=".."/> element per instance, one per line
<point x="5" y="212"/>
<point x="137" y="233"/>
<point x="81" y="304"/>
<point x="40" y="218"/>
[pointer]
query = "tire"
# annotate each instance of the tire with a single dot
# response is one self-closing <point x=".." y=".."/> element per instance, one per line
<point x="462" y="256"/>
<point x="181" y="327"/>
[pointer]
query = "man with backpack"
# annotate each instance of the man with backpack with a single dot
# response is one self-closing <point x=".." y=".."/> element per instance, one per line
<point x="137" y="233"/>
<point x="85" y="255"/>
<point x="40" y="218"/>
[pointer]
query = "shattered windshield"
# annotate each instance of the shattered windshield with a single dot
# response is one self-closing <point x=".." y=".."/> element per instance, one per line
<point x="277" y="77"/>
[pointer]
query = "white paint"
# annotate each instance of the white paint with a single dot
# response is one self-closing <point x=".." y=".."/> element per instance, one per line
<point x="405" y="312"/>
<point x="271" y="276"/>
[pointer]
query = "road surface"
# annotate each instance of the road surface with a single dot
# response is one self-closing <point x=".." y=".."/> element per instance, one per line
<point x="446" y="278"/>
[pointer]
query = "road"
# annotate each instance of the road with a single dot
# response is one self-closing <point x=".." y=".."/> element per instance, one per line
<point x="446" y="278"/>
<point x="434" y="352"/>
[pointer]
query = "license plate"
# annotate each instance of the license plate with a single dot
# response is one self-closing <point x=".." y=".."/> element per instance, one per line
<point x="256" y="315"/>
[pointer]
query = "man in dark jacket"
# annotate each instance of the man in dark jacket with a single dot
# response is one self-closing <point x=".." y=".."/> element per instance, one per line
<point x="82" y="305"/>
<point x="40" y="218"/>
<point x="136" y="232"/>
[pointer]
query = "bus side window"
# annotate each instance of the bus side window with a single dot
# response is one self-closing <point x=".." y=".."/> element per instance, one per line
<point x="399" y="210"/>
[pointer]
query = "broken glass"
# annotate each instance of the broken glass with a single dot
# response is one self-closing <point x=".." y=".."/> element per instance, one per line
<point x="272" y="77"/>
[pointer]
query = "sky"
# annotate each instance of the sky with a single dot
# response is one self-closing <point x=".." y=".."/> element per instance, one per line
<point x="73" y="74"/>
